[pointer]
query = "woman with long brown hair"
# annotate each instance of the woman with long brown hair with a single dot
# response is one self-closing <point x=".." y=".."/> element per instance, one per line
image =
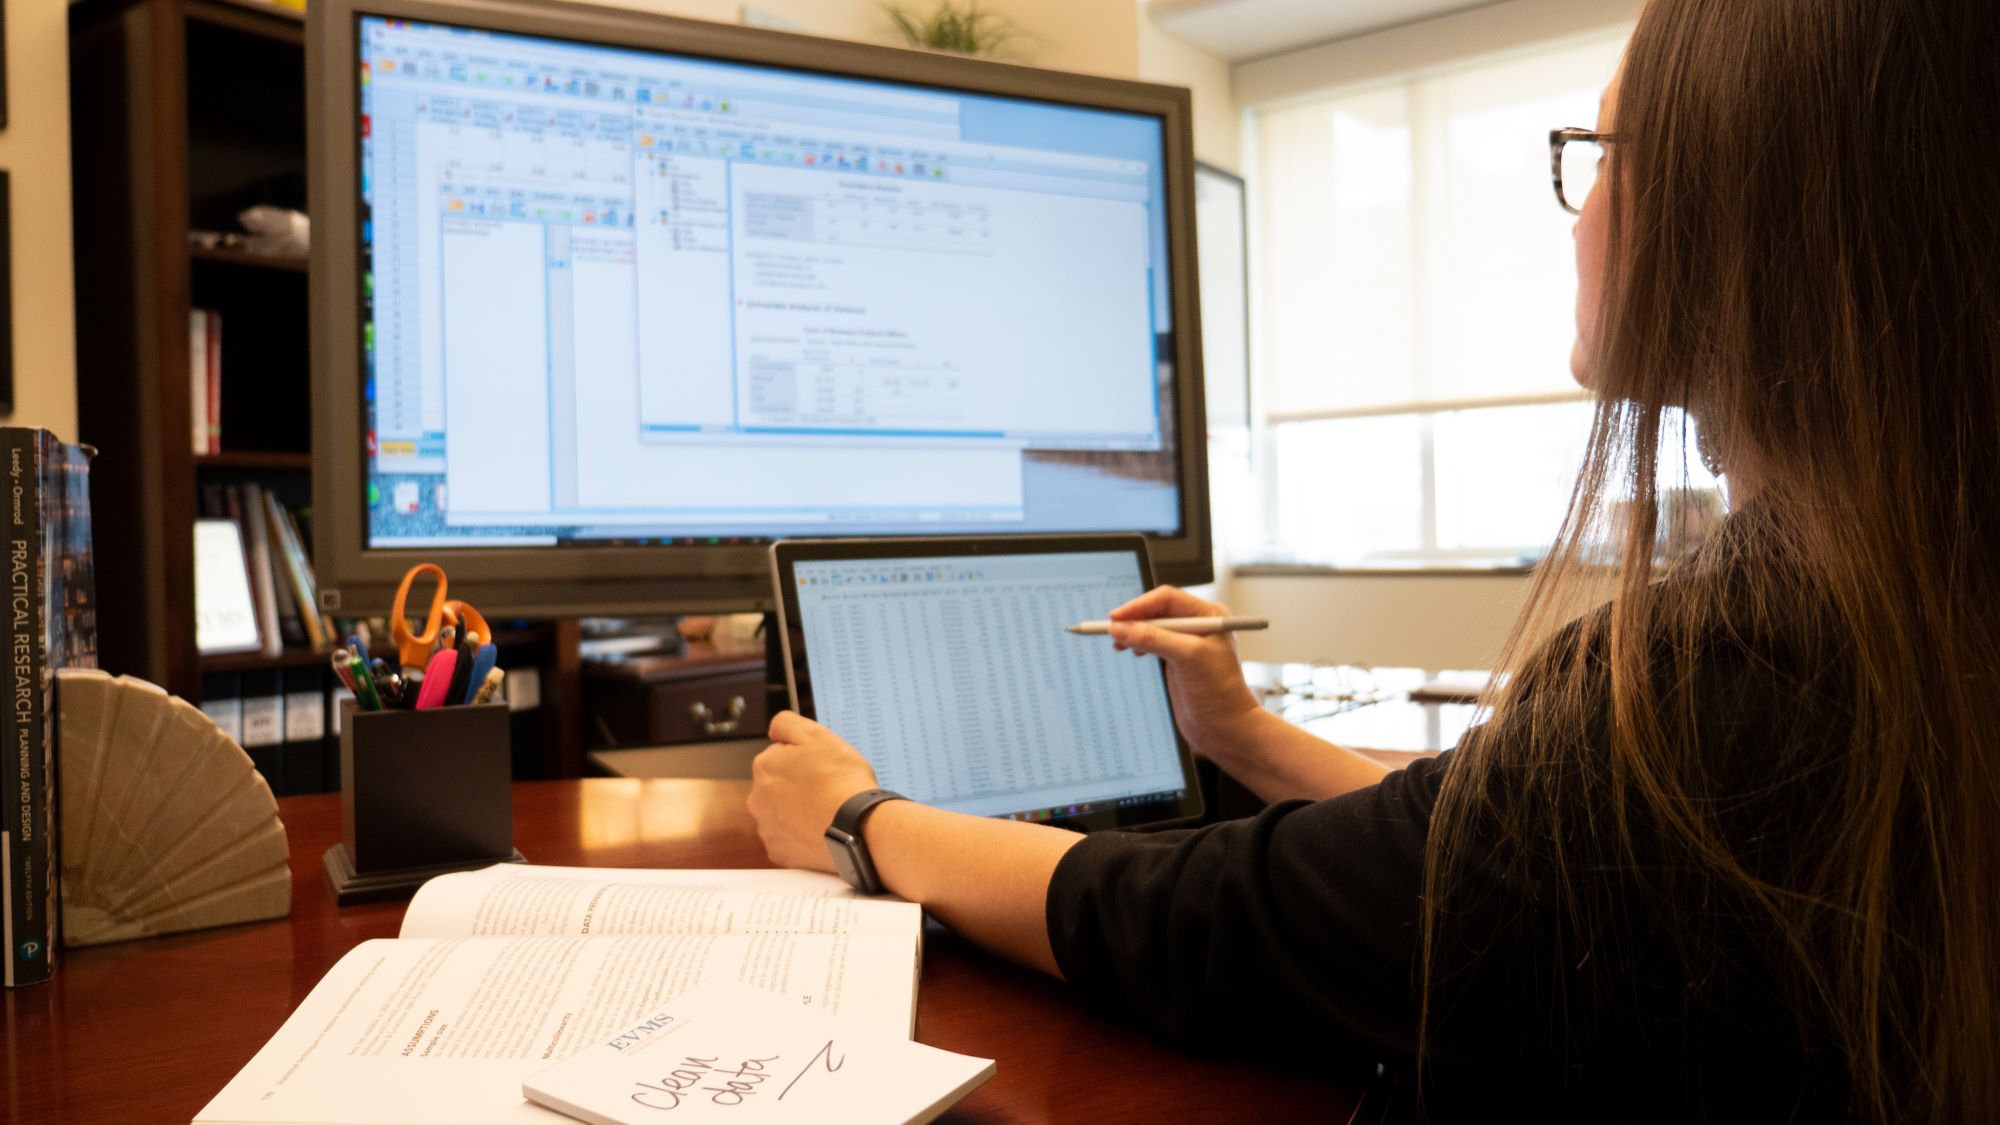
<point x="1729" y="845"/>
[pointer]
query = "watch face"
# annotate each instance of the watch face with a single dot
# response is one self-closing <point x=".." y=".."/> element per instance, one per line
<point x="844" y="863"/>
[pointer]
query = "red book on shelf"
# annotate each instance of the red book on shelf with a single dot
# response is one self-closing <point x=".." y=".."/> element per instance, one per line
<point x="214" y="341"/>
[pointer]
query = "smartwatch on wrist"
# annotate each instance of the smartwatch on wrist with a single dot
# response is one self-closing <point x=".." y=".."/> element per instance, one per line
<point x="844" y="842"/>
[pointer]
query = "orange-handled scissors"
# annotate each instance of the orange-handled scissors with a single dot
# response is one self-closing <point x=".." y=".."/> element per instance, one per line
<point x="464" y="618"/>
<point x="414" y="649"/>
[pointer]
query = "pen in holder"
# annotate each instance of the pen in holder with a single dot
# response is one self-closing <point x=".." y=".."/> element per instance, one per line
<point x="422" y="793"/>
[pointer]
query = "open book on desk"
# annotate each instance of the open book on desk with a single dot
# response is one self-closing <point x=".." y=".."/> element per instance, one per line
<point x="499" y="973"/>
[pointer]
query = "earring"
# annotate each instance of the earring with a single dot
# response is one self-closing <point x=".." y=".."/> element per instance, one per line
<point x="1707" y="447"/>
<point x="1710" y="460"/>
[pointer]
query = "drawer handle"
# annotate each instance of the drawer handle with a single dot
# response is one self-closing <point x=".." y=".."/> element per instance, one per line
<point x="712" y="725"/>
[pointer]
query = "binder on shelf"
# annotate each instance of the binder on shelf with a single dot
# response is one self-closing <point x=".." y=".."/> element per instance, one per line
<point x="522" y="692"/>
<point x="335" y="697"/>
<point x="523" y="688"/>
<point x="304" y="748"/>
<point x="264" y="727"/>
<point x="222" y="701"/>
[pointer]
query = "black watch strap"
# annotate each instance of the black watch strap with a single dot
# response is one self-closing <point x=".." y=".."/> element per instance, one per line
<point x="846" y="845"/>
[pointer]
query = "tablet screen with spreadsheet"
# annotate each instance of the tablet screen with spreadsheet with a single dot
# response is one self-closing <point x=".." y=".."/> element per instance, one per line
<point x="946" y="662"/>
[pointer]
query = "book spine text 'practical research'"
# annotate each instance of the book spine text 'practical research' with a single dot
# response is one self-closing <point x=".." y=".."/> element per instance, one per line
<point x="31" y="899"/>
<point x="50" y="610"/>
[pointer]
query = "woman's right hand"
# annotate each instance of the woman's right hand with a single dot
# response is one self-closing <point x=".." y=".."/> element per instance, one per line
<point x="1204" y="675"/>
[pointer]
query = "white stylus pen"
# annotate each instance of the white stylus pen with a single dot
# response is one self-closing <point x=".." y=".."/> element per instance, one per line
<point x="1196" y="626"/>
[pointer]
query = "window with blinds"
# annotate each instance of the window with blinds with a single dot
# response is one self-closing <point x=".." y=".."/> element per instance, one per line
<point x="1417" y="287"/>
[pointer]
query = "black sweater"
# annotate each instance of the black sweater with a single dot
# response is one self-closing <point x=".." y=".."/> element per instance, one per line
<point x="1297" y="932"/>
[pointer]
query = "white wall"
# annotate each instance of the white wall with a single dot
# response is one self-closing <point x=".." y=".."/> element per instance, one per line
<point x="1091" y="36"/>
<point x="1107" y="37"/>
<point x="1433" y="621"/>
<point x="34" y="149"/>
<point x="1218" y="118"/>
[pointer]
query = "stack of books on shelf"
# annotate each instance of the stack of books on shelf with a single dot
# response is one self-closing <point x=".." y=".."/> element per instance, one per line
<point x="284" y="590"/>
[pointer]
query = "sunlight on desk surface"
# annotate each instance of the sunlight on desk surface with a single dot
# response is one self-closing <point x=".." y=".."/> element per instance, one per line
<point x="1396" y="725"/>
<point x="616" y="812"/>
<point x="1392" y="714"/>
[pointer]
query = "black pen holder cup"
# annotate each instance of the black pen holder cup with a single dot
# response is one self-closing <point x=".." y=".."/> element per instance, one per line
<point x="422" y="793"/>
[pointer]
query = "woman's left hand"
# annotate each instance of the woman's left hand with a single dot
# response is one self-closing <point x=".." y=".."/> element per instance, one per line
<point x="796" y="785"/>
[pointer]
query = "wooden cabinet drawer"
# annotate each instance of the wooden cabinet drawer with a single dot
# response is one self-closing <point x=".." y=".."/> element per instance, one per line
<point x="699" y="710"/>
<point x="700" y="696"/>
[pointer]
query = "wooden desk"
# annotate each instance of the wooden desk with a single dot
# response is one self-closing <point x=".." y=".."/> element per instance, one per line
<point x="148" y="1031"/>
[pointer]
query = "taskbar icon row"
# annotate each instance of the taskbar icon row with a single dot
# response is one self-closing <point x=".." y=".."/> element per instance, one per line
<point x="1056" y="812"/>
<point x="1070" y="812"/>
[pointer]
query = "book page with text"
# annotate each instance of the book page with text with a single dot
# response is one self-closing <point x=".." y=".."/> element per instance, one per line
<point x="586" y="901"/>
<point x="442" y="1032"/>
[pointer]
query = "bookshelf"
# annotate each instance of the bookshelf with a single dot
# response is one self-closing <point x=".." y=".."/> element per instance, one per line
<point x="228" y="256"/>
<point x="184" y="112"/>
<point x="255" y="459"/>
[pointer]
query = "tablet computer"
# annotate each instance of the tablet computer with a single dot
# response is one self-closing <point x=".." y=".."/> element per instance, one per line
<point x="947" y="664"/>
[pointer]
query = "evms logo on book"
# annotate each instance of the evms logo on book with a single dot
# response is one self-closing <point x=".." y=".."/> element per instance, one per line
<point x="31" y="949"/>
<point x="639" y="1033"/>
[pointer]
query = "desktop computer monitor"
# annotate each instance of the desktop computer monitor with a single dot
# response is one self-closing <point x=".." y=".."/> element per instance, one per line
<point x="604" y="302"/>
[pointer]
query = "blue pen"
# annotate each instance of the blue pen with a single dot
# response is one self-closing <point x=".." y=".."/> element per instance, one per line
<point x="360" y="648"/>
<point x="482" y="663"/>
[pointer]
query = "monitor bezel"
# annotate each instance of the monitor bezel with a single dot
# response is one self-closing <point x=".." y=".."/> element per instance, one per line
<point x="542" y="581"/>
<point x="785" y="556"/>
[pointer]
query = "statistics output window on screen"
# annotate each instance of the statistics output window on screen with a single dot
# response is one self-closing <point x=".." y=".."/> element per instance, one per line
<point x="593" y="270"/>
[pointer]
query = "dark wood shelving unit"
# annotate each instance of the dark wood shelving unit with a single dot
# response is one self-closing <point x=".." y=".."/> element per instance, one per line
<point x="227" y="256"/>
<point x="263" y="13"/>
<point x="183" y="113"/>
<point x="255" y="460"/>
<point x="257" y="661"/>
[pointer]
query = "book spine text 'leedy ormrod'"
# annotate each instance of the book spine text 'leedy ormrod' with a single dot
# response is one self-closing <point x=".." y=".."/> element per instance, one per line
<point x="30" y="860"/>
<point x="49" y="616"/>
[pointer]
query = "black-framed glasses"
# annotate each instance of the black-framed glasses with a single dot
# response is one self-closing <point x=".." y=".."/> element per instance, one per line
<point x="1575" y="156"/>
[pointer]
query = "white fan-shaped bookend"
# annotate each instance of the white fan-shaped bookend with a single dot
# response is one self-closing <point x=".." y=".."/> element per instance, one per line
<point x="163" y="822"/>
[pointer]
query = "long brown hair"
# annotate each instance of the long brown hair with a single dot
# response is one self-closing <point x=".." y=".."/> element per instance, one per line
<point x="1804" y="255"/>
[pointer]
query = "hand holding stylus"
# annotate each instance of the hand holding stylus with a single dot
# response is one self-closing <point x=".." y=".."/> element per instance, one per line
<point x="1211" y="702"/>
